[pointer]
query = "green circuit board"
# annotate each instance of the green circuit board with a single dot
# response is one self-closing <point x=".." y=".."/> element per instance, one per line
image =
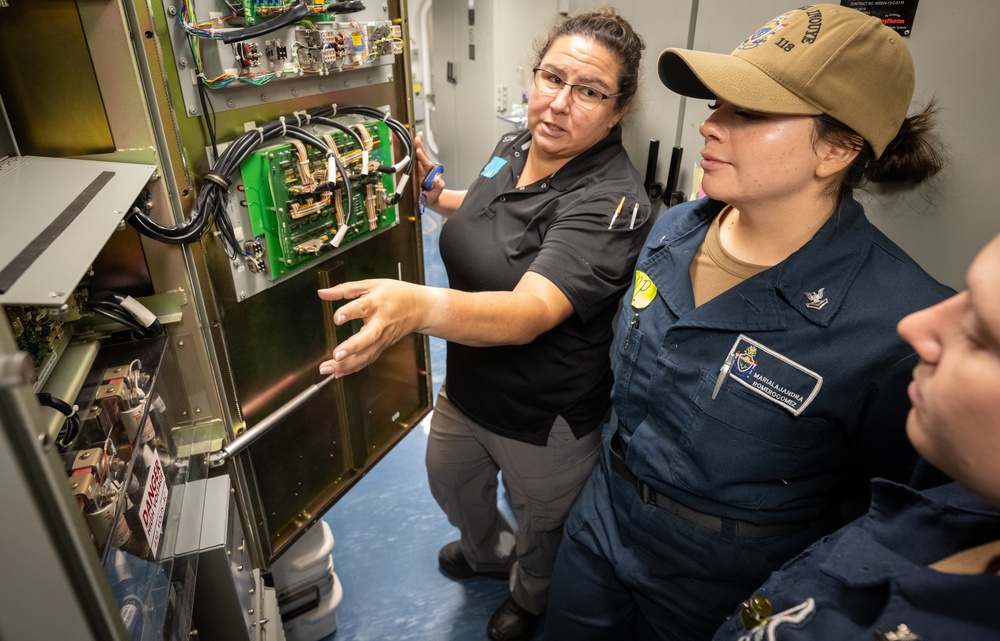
<point x="257" y="11"/>
<point x="293" y="225"/>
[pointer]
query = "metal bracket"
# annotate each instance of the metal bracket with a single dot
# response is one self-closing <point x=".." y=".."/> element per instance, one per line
<point x="15" y="370"/>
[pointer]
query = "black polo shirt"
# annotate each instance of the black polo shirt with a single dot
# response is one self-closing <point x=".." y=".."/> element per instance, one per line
<point x="559" y="228"/>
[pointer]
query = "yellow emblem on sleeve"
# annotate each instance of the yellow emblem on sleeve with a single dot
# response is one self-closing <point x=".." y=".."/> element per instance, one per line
<point x="644" y="291"/>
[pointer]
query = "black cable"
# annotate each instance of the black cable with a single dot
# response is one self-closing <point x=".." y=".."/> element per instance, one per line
<point x="113" y="309"/>
<point x="344" y="7"/>
<point x="61" y="406"/>
<point x="400" y="130"/>
<point x="71" y="426"/>
<point x="118" y="318"/>
<point x="213" y="195"/>
<point x="296" y="12"/>
<point x="329" y="122"/>
<point x="210" y="124"/>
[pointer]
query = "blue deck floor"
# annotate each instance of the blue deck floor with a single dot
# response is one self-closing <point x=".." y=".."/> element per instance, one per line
<point x="388" y="530"/>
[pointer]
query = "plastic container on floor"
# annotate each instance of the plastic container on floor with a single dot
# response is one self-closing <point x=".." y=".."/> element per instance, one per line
<point x="306" y="561"/>
<point x="303" y="623"/>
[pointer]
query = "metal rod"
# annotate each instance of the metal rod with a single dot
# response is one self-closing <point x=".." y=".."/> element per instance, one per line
<point x="245" y="439"/>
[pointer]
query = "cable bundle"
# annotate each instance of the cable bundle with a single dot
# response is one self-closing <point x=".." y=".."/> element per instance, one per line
<point x="399" y="129"/>
<point x="213" y="197"/>
<point x="126" y="311"/>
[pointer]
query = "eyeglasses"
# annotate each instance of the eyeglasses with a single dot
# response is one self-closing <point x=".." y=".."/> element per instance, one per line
<point x="583" y="95"/>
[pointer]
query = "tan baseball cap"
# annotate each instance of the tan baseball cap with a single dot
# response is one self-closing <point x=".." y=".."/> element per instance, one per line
<point x="821" y="58"/>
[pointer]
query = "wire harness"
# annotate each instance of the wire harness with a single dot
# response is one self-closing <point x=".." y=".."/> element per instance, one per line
<point x="213" y="195"/>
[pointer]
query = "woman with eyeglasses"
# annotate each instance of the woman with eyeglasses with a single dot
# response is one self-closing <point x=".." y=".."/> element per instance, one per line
<point x="538" y="251"/>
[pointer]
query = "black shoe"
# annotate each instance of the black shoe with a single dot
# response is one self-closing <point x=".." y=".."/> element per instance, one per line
<point x="511" y="622"/>
<point x="452" y="562"/>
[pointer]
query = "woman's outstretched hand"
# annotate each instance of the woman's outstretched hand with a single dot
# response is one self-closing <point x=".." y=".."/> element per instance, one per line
<point x="390" y="309"/>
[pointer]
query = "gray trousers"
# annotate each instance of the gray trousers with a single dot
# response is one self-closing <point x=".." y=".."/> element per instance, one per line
<point x="463" y="459"/>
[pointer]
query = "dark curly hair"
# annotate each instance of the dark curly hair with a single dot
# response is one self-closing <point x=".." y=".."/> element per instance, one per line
<point x="606" y="26"/>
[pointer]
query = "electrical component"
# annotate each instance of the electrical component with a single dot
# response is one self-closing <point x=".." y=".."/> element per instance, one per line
<point x="319" y="43"/>
<point x="299" y="187"/>
<point x="37" y="330"/>
<point x="298" y="212"/>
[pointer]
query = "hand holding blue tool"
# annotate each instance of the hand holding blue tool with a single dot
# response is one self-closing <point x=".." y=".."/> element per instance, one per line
<point x="428" y="183"/>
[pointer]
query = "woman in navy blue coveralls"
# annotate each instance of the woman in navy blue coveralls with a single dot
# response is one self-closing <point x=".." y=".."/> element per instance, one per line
<point x="919" y="565"/>
<point x="759" y="379"/>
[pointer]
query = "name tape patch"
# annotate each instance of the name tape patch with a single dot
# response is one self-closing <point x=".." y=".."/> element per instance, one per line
<point x="492" y="167"/>
<point x="777" y="378"/>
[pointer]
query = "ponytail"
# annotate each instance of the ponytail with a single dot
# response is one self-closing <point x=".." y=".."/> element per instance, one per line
<point x="913" y="156"/>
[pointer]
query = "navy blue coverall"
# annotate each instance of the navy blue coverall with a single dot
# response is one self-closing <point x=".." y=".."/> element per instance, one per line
<point x="738" y="425"/>
<point x="872" y="579"/>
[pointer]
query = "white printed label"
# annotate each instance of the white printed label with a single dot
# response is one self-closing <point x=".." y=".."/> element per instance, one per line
<point x="154" y="504"/>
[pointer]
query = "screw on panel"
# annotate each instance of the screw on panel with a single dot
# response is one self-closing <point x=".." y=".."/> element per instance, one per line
<point x="322" y="87"/>
<point x="55" y="294"/>
<point x="369" y="79"/>
<point x="243" y="295"/>
<point x="295" y="92"/>
<point x="193" y="111"/>
<point x="172" y="11"/>
<point x="183" y="62"/>
<point x="180" y="344"/>
<point x="390" y="77"/>
<point x="263" y="97"/>
<point x="231" y="103"/>
<point x="347" y="83"/>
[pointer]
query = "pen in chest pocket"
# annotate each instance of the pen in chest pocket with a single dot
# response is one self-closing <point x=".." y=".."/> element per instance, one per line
<point x="614" y="216"/>
<point x="632" y="326"/>
<point x="723" y="372"/>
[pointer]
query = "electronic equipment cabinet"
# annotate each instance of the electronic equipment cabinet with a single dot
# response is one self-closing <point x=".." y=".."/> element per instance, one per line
<point x="177" y="179"/>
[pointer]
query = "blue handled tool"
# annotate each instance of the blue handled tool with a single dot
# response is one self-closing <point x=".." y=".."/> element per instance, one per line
<point x="427" y="184"/>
